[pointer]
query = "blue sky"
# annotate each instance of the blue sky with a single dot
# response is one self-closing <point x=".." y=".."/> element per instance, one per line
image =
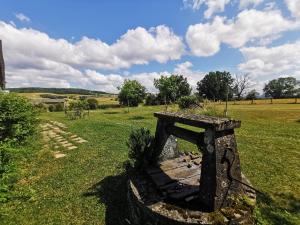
<point x="97" y="44"/>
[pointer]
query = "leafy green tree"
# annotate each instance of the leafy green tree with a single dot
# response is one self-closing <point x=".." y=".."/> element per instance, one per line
<point x="131" y="93"/>
<point x="172" y="88"/>
<point x="252" y="95"/>
<point x="92" y="103"/>
<point x="283" y="87"/>
<point x="216" y="85"/>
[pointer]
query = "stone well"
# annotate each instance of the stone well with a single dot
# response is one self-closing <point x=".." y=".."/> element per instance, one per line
<point x="186" y="188"/>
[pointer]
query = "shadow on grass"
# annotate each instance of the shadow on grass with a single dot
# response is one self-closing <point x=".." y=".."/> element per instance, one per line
<point x="276" y="210"/>
<point x="137" y="118"/>
<point x="112" y="191"/>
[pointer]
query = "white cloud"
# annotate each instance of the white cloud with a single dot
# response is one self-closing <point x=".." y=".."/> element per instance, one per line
<point x="137" y="46"/>
<point x="22" y="17"/>
<point x="268" y="63"/>
<point x="193" y="4"/>
<point x="204" y="39"/>
<point x="213" y="6"/>
<point x="110" y="82"/>
<point x="246" y="3"/>
<point x="294" y="7"/>
<point x="193" y="76"/>
<point x="35" y="59"/>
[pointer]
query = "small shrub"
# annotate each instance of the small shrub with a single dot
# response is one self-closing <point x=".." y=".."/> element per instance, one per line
<point x="18" y="118"/>
<point x="152" y="99"/>
<point x="41" y="107"/>
<point x="141" y="148"/>
<point x="57" y="107"/>
<point x="92" y="103"/>
<point x="186" y="102"/>
<point x="52" y="96"/>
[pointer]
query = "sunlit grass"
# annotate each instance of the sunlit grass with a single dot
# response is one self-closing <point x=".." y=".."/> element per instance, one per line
<point x="268" y="143"/>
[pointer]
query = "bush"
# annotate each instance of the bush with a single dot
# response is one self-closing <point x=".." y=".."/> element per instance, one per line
<point x="186" y="102"/>
<point x="52" y="96"/>
<point x="18" y="118"/>
<point x="41" y="107"/>
<point x="141" y="148"/>
<point x="92" y="103"/>
<point x="152" y="99"/>
<point x="78" y="105"/>
<point x="57" y="107"/>
<point x="7" y="170"/>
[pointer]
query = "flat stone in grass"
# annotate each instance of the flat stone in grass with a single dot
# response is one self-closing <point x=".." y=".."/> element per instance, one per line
<point x="74" y="136"/>
<point x="81" y="141"/>
<point x="67" y="145"/>
<point x="58" y="154"/>
<point x="72" y="147"/>
<point x="56" y="146"/>
<point x="76" y="139"/>
<point x="59" y="139"/>
<point x="64" y="142"/>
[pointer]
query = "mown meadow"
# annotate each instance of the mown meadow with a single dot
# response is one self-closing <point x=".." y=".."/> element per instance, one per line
<point x="88" y="186"/>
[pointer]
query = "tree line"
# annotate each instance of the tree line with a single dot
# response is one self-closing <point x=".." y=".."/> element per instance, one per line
<point x="215" y="86"/>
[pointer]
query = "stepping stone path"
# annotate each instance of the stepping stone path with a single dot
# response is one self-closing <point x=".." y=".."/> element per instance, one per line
<point x="55" y="134"/>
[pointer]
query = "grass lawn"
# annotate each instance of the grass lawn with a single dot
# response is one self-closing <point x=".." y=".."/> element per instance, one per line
<point x="88" y="185"/>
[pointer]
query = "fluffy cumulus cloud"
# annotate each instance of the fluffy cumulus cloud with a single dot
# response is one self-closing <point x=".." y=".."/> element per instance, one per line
<point x="111" y="82"/>
<point x="137" y="46"/>
<point x="35" y="59"/>
<point x="246" y="3"/>
<point x="294" y="7"/>
<point x="265" y="63"/>
<point x="186" y="69"/>
<point x="22" y="17"/>
<point x="213" y="6"/>
<point x="204" y="39"/>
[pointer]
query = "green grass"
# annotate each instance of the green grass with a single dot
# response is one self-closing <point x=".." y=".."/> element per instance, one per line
<point x="88" y="186"/>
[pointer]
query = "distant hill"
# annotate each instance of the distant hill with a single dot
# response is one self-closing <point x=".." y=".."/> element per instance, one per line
<point x="55" y="90"/>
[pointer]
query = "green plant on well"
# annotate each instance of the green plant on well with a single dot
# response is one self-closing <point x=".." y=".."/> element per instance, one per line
<point x="141" y="148"/>
<point x="186" y="102"/>
<point x="18" y="118"/>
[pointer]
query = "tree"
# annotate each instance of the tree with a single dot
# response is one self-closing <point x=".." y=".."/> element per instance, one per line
<point x="252" y="95"/>
<point x="131" y="93"/>
<point x="172" y="88"/>
<point x="92" y="103"/>
<point x="216" y="86"/>
<point x="240" y="85"/>
<point x="283" y="87"/>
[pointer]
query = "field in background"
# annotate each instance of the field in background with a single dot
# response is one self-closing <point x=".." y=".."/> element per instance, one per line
<point x="111" y="99"/>
<point x="88" y="186"/>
